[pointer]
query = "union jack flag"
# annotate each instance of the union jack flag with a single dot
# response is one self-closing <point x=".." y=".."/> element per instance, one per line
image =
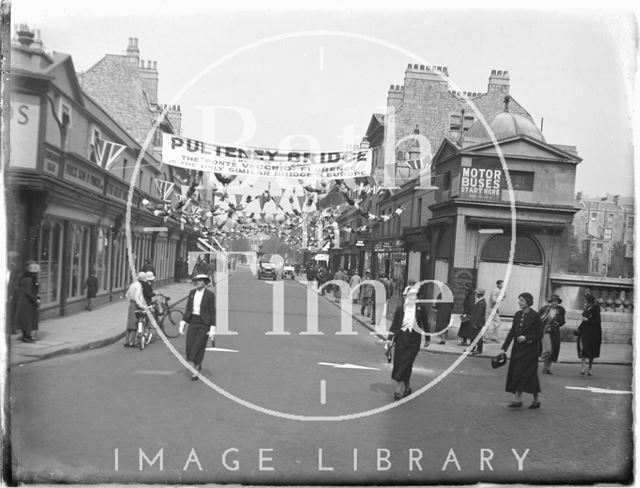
<point x="108" y="152"/>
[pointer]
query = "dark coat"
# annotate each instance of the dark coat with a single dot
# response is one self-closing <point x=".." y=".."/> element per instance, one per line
<point x="26" y="313"/>
<point x="407" y="344"/>
<point x="466" y="329"/>
<point x="91" y="284"/>
<point x="590" y="333"/>
<point x="477" y="316"/>
<point x="443" y="313"/>
<point x="207" y="307"/>
<point x="552" y="327"/>
<point x="523" y="366"/>
<point x="147" y="292"/>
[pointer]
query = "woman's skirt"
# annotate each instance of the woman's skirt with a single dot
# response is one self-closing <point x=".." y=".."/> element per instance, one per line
<point x="523" y="369"/>
<point x="405" y="354"/>
<point x="132" y="323"/>
<point x="196" y="342"/>
<point x="466" y="330"/>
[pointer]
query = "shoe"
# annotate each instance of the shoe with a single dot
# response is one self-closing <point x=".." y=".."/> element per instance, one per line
<point x="442" y="343"/>
<point x="546" y="371"/>
<point x="407" y="393"/>
<point x="194" y="377"/>
<point x="28" y="340"/>
<point x="582" y="373"/>
<point x="515" y="405"/>
<point x="534" y="405"/>
<point x="397" y="396"/>
<point x="474" y="353"/>
<point x="589" y="373"/>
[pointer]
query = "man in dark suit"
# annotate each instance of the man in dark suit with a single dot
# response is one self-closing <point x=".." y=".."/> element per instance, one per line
<point x="200" y="315"/>
<point x="477" y="318"/>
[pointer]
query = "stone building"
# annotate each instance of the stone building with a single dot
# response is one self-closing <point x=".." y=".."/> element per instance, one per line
<point x="65" y="208"/>
<point x="425" y="106"/>
<point x="603" y="230"/>
<point x="127" y="87"/>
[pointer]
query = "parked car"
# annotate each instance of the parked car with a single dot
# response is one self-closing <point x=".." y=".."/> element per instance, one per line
<point x="267" y="271"/>
<point x="289" y="272"/>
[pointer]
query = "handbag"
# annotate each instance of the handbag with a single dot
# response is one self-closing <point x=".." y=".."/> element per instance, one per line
<point x="499" y="360"/>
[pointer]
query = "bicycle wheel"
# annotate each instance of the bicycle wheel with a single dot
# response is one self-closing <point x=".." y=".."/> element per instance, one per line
<point x="141" y="341"/>
<point x="171" y="325"/>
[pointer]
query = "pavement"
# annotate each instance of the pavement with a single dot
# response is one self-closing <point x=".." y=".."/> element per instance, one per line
<point x="105" y="325"/>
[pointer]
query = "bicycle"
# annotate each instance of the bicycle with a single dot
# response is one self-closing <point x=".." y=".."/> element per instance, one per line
<point x="173" y="315"/>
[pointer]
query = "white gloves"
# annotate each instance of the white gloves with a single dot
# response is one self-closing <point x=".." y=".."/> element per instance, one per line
<point x="181" y="327"/>
<point x="212" y="331"/>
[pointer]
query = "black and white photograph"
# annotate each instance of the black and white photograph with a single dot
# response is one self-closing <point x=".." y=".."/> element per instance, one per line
<point x="325" y="243"/>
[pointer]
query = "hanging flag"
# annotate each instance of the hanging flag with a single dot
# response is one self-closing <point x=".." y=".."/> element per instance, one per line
<point x="238" y="199"/>
<point x="164" y="189"/>
<point x="108" y="152"/>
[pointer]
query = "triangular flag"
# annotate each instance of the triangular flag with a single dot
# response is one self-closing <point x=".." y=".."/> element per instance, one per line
<point x="164" y="188"/>
<point x="238" y="199"/>
<point x="108" y="152"/>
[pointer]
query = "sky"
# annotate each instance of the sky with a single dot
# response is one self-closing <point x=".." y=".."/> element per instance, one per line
<point x="311" y="78"/>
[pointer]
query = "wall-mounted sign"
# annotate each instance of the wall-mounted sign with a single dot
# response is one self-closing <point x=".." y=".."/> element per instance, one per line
<point x="480" y="183"/>
<point x="83" y="177"/>
<point x="359" y="243"/>
<point x="25" y="117"/>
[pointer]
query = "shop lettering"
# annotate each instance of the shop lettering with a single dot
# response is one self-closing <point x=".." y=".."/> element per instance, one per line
<point x="480" y="178"/>
<point x="23" y="114"/>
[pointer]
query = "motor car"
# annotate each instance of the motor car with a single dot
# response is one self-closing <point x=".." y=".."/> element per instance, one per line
<point x="288" y="272"/>
<point x="267" y="271"/>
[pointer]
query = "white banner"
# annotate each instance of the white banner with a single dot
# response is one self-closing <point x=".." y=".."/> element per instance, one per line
<point x="270" y="163"/>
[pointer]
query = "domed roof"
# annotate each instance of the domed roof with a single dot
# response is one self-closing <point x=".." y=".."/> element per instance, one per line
<point x="503" y="125"/>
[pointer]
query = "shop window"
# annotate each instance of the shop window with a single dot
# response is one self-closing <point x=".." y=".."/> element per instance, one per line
<point x="48" y="257"/>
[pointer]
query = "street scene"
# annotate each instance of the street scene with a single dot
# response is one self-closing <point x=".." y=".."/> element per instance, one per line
<point x="317" y="252"/>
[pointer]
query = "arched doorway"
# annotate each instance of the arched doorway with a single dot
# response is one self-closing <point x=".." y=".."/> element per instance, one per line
<point x="526" y="272"/>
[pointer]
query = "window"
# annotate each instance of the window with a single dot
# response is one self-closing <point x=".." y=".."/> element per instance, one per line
<point x="607" y="234"/>
<point x="521" y="180"/>
<point x="454" y="122"/>
<point x="399" y="156"/>
<point x="93" y="144"/>
<point x="64" y="113"/>
<point x="630" y="223"/>
<point x="468" y="122"/>
<point x="419" y="213"/>
<point x="599" y="247"/>
<point x="585" y="246"/>
<point x="124" y="169"/>
<point x="446" y="180"/>
<point x="594" y="216"/>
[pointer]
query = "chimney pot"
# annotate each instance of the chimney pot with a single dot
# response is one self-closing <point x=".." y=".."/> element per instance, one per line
<point x="422" y="66"/>
<point x="415" y="66"/>
<point x="493" y="72"/>
<point x="155" y="65"/>
<point x="25" y="36"/>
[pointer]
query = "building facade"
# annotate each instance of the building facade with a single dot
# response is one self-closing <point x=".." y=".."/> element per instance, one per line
<point x="65" y="209"/>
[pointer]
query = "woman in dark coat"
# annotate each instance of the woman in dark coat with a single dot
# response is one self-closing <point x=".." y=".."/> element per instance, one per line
<point x="589" y="333"/>
<point x="553" y="317"/>
<point x="28" y="302"/>
<point x="443" y="317"/>
<point x="526" y="334"/>
<point x="466" y="329"/>
<point x="408" y="320"/>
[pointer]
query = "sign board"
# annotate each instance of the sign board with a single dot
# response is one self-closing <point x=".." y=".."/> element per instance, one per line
<point x="25" y="119"/>
<point x="270" y="163"/>
<point x="359" y="243"/>
<point x="155" y="229"/>
<point x="480" y="183"/>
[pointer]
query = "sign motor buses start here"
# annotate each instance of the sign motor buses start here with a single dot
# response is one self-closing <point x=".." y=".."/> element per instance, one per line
<point x="202" y="156"/>
<point x="480" y="183"/>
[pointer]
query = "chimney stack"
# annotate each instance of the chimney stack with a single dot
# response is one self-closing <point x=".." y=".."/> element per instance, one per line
<point x="499" y="81"/>
<point x="24" y="35"/>
<point x="132" y="48"/>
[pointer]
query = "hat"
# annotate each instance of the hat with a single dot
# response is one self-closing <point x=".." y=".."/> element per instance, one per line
<point x="480" y="291"/>
<point x="150" y="276"/>
<point x="142" y="276"/>
<point x="555" y="297"/>
<point x="201" y="277"/>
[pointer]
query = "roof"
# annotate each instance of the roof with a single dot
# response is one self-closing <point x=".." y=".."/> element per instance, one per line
<point x="503" y="125"/>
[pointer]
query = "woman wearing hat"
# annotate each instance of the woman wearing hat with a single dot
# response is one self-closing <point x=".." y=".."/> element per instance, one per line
<point x="407" y="336"/>
<point x="28" y="302"/>
<point x="200" y="315"/>
<point x="137" y="299"/>
<point x="526" y="333"/>
<point x="465" y="332"/>
<point x="589" y="334"/>
<point x="553" y="317"/>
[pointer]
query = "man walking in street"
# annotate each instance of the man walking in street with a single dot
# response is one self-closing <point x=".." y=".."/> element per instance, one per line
<point x="367" y="297"/>
<point x="477" y="318"/>
<point x="494" y="301"/>
<point x="339" y="276"/>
